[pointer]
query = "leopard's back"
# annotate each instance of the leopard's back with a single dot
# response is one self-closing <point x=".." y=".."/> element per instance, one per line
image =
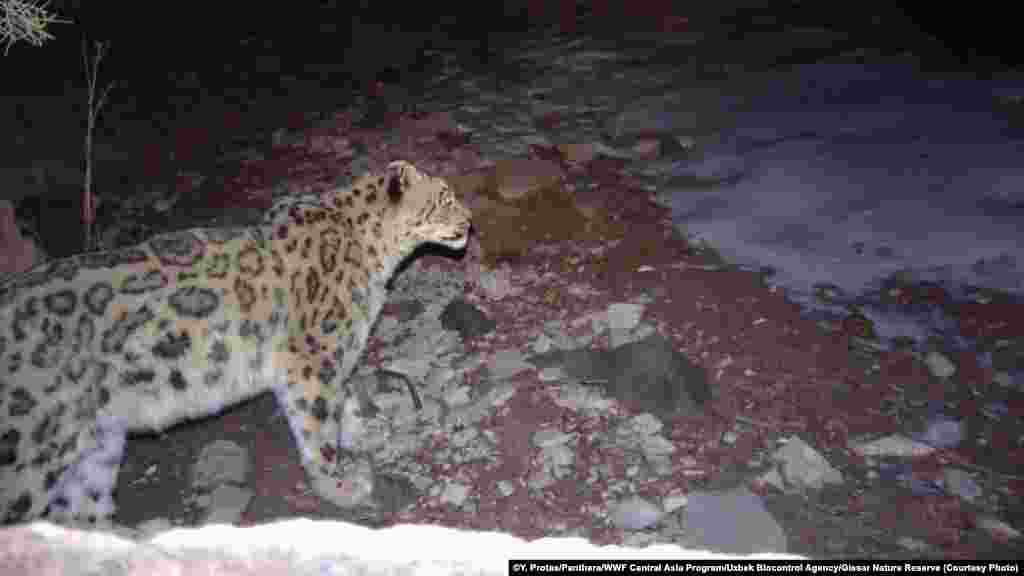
<point x="138" y="339"/>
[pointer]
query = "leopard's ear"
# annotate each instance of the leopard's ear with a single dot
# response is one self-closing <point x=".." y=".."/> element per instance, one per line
<point x="401" y="176"/>
<point x="397" y="183"/>
<point x="402" y="169"/>
<point x="399" y="165"/>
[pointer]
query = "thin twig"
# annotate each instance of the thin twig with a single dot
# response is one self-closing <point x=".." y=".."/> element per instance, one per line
<point x="95" y="106"/>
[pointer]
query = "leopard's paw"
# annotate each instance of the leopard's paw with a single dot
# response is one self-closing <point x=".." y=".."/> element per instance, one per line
<point x="350" y="487"/>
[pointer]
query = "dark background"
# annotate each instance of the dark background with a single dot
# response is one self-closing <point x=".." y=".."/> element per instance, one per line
<point x="181" y="65"/>
<point x="158" y="38"/>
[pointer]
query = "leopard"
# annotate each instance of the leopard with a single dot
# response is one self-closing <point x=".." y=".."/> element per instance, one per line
<point x="102" y="345"/>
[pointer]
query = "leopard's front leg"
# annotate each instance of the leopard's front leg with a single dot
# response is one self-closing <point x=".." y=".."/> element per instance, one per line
<point x="324" y="419"/>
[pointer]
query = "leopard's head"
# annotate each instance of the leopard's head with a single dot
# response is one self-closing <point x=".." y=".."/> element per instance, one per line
<point x="425" y="209"/>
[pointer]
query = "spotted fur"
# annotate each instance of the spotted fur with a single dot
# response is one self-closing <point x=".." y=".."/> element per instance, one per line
<point x="100" y="345"/>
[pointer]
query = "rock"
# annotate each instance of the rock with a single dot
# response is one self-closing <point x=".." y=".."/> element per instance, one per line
<point x="497" y="284"/>
<point x="943" y="432"/>
<point x="802" y="467"/>
<point x="407" y="310"/>
<point x="960" y="483"/>
<point x="895" y="445"/>
<point x="220" y="462"/>
<point x="647" y="148"/>
<point x="939" y="365"/>
<point x="652" y="376"/>
<point x="1008" y="356"/>
<point x="656" y="448"/>
<point x="557" y="462"/>
<point x="646" y="424"/>
<point x="648" y="375"/>
<point x="998" y="529"/>
<point x="507" y="363"/>
<point x="454" y="494"/>
<point x="674" y="502"/>
<point x="913" y="545"/>
<point x="227" y="503"/>
<point x="457" y="396"/>
<point x="549" y="437"/>
<point x="773" y="478"/>
<point x="1003" y="379"/>
<point x="506" y="488"/>
<point x="466" y="319"/>
<point x="734" y="522"/>
<point x="634" y="514"/>
<point x="393" y="493"/>
<point x="623" y="317"/>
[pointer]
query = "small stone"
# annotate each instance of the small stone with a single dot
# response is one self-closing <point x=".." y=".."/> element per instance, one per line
<point x="894" y="445"/>
<point x="998" y="529"/>
<point x="773" y="478"/>
<point x="466" y="319"/>
<point x="646" y="423"/>
<point x="497" y="284"/>
<point x="624" y="316"/>
<point x="939" y="365"/>
<point x="227" y="503"/>
<point x="943" y="432"/>
<point x="650" y="375"/>
<point x="463" y="437"/>
<point x="457" y="396"/>
<point x="732" y="522"/>
<point x="655" y="447"/>
<point x="634" y="514"/>
<point x="551" y="373"/>
<point x="674" y="502"/>
<point x="1003" y="379"/>
<point x="507" y="363"/>
<point x="647" y="148"/>
<point x="558" y="461"/>
<point x="220" y="462"/>
<point x="959" y="482"/>
<point x="912" y="544"/>
<point x="454" y="494"/>
<point x="660" y="464"/>
<point x="506" y="488"/>
<point x="550" y="437"/>
<point x="803" y="467"/>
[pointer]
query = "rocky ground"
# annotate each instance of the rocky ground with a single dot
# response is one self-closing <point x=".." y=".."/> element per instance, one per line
<point x="583" y="369"/>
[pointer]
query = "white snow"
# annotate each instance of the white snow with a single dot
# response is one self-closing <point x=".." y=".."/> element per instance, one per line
<point x="846" y="173"/>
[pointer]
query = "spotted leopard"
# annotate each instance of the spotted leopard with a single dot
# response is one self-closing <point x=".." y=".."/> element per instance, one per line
<point x="99" y="345"/>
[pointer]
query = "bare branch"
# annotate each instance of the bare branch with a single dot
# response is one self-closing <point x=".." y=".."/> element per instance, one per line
<point x="26" y="20"/>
